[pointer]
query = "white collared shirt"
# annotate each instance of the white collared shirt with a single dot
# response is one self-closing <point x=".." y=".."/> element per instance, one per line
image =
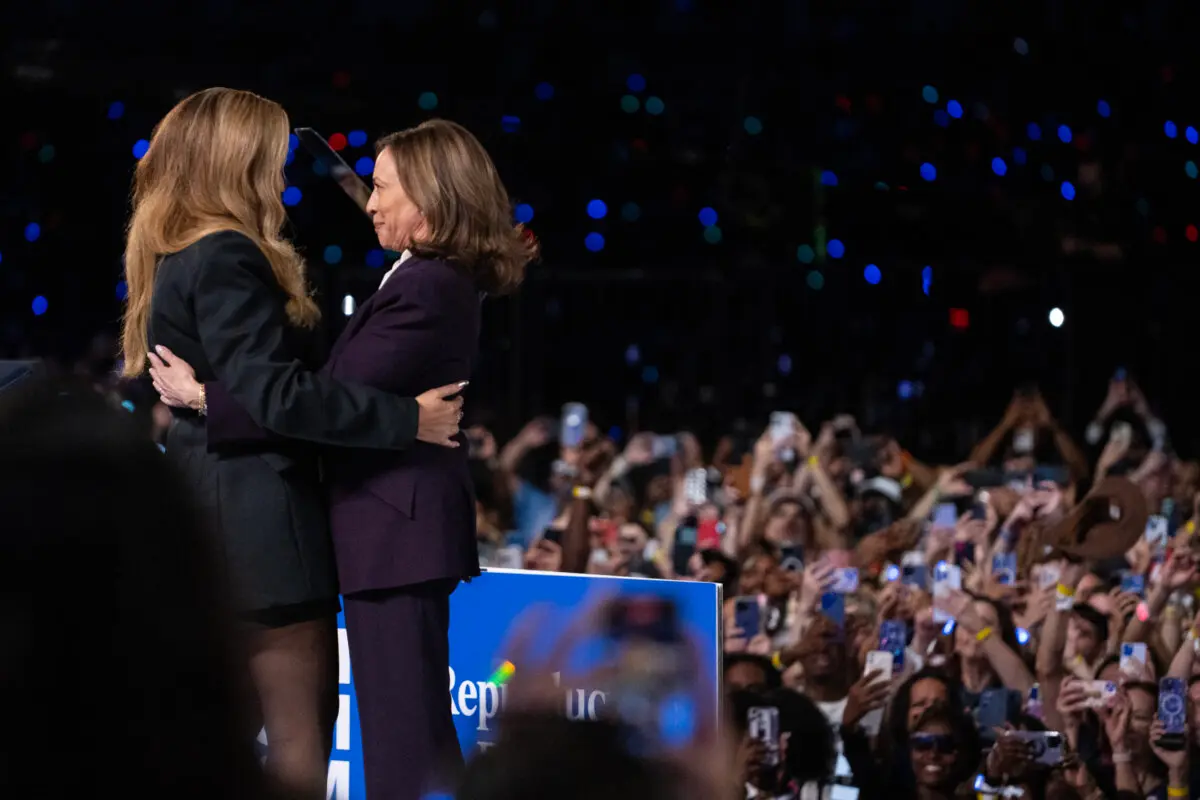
<point x="405" y="256"/>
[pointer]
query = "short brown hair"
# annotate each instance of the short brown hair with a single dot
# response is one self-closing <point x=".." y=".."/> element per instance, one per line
<point x="452" y="180"/>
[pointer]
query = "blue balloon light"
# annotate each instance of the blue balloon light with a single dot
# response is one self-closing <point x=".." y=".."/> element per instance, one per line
<point x="140" y="147"/>
<point x="596" y="209"/>
<point x="929" y="94"/>
<point x="835" y="249"/>
<point x="805" y="254"/>
<point x="364" y="166"/>
<point x="356" y="138"/>
<point x="40" y="304"/>
<point x="928" y="171"/>
<point x="523" y="213"/>
<point x="116" y="109"/>
<point x="292" y="195"/>
<point x="1033" y="131"/>
<point x="954" y="109"/>
<point x="543" y="91"/>
<point x="1068" y="190"/>
<point x="33" y="232"/>
<point x="753" y="125"/>
<point x="708" y="216"/>
<point x="872" y="275"/>
<point x="1170" y="130"/>
<point x="376" y="258"/>
<point x="333" y="254"/>
<point x="999" y="167"/>
<point x="1064" y="134"/>
<point x="828" y="179"/>
<point x="427" y="101"/>
<point x="1104" y="109"/>
<point x="510" y="123"/>
<point x="1020" y="156"/>
<point x="655" y="106"/>
<point x="1191" y="135"/>
<point x="941" y="118"/>
<point x="122" y="290"/>
<point x="635" y="83"/>
<point x="926" y="280"/>
<point x="594" y="242"/>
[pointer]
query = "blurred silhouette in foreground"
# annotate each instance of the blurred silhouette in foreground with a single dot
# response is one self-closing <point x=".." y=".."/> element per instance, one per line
<point x="117" y="670"/>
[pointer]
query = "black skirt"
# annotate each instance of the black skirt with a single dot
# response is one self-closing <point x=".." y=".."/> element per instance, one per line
<point x="268" y="514"/>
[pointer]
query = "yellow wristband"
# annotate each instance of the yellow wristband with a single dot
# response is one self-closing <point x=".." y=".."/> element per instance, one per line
<point x="813" y="461"/>
<point x="1065" y="591"/>
<point x="1177" y="791"/>
<point x="776" y="661"/>
<point x="983" y="634"/>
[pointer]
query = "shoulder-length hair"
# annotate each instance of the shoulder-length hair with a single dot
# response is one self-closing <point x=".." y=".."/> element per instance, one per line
<point x="215" y="163"/>
<point x="451" y="179"/>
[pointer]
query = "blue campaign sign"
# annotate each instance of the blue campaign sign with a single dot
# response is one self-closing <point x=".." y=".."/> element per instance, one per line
<point x="482" y="614"/>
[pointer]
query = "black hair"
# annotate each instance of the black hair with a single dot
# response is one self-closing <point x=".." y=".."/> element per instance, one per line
<point x="117" y="637"/>
<point x="773" y="679"/>
<point x="733" y="570"/>
<point x="812" y="745"/>
<point x="1094" y="618"/>
<point x="547" y="757"/>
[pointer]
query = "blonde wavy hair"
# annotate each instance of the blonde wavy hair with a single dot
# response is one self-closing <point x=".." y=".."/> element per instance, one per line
<point x="215" y="163"/>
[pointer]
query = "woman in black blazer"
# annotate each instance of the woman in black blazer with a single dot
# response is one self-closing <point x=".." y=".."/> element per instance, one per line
<point x="211" y="278"/>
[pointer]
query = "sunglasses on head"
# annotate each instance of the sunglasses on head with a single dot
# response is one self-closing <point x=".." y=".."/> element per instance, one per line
<point x="940" y="743"/>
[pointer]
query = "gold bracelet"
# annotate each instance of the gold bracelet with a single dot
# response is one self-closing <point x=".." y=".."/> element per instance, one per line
<point x="777" y="660"/>
<point x="1177" y="791"/>
<point x="983" y="635"/>
<point x="203" y="402"/>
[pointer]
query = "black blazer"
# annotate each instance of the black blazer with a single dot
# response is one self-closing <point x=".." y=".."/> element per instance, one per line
<point x="217" y="305"/>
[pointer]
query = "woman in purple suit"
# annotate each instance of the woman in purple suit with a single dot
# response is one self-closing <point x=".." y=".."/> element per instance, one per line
<point x="403" y="523"/>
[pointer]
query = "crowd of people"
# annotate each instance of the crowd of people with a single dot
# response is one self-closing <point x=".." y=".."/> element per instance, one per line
<point x="1037" y="671"/>
<point x="1023" y="669"/>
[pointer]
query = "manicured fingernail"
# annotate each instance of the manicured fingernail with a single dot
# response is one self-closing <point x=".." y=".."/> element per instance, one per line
<point x="464" y="383"/>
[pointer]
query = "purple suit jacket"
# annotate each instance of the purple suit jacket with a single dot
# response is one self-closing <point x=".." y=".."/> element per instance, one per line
<point x="397" y="517"/>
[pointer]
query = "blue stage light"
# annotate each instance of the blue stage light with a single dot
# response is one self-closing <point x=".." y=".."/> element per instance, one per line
<point x="376" y="258"/>
<point x="428" y="101"/>
<point x="333" y="254"/>
<point x="596" y="209"/>
<point x="954" y="109"/>
<point x="753" y="125"/>
<point x="926" y="280"/>
<point x="631" y="212"/>
<point x="510" y="124"/>
<point x="1191" y="135"/>
<point x="655" y="106"/>
<point x="1033" y="131"/>
<point x="708" y="216"/>
<point x="928" y="171"/>
<point x="33" y="232"/>
<point x="929" y="94"/>
<point x="594" y="242"/>
<point x="635" y="83"/>
<point x="543" y="91"/>
<point x="1169" y="129"/>
<point x="828" y="179"/>
<point x="1104" y="109"/>
<point x="941" y="118"/>
<point x="1019" y="156"/>
<point x="872" y="275"/>
<point x="1064" y="134"/>
<point x="523" y="213"/>
<point x="116" y="109"/>
<point x="140" y="147"/>
<point x="364" y="166"/>
<point x="292" y="195"/>
<point x="1068" y="190"/>
<point x="999" y="167"/>
<point x="40" y="304"/>
<point x="815" y="280"/>
<point x="835" y="249"/>
<point x="805" y="254"/>
<point x="122" y="290"/>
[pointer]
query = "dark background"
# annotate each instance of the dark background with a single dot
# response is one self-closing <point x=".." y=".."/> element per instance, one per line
<point x="837" y="87"/>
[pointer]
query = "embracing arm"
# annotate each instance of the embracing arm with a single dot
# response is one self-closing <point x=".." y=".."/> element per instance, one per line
<point x="242" y="322"/>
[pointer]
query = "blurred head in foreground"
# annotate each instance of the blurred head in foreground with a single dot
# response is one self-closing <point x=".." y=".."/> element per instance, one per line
<point x="116" y="657"/>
